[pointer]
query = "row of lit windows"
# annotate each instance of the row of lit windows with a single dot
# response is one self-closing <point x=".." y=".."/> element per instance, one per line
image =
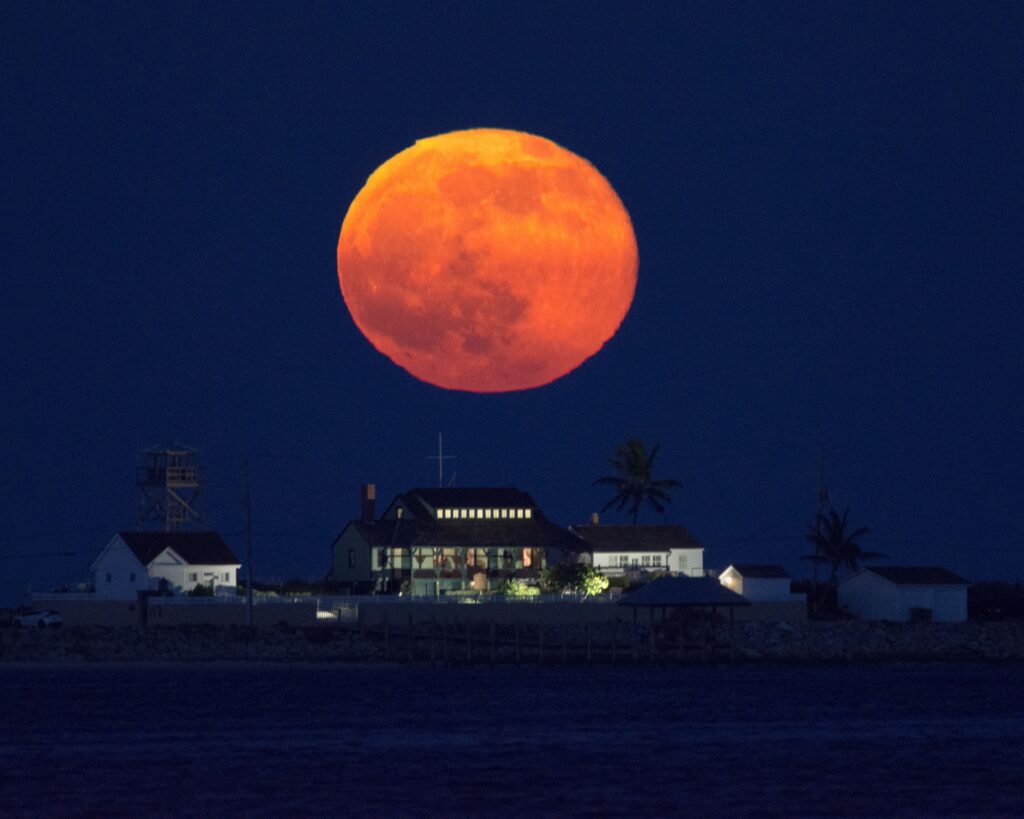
<point x="483" y="514"/>
<point x="645" y="560"/>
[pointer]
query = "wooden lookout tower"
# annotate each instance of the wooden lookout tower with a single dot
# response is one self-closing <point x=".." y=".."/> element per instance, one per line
<point x="170" y="483"/>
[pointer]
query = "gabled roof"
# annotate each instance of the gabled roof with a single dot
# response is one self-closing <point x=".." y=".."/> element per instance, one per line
<point x="423" y="502"/>
<point x="683" y="591"/>
<point x="195" y="548"/>
<point x="537" y="531"/>
<point x="918" y="575"/>
<point x="759" y="570"/>
<point x="613" y="538"/>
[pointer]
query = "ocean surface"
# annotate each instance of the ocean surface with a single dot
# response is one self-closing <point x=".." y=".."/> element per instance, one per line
<point x="340" y="740"/>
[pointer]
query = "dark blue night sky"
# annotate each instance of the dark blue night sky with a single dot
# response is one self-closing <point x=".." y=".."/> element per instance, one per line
<point x="828" y="200"/>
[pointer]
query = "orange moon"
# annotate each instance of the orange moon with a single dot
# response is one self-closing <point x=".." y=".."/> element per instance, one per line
<point x="487" y="260"/>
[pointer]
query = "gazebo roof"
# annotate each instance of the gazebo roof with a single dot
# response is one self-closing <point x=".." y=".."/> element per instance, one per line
<point x="683" y="591"/>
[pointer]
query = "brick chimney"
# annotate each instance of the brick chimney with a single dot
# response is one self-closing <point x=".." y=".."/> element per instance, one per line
<point x="368" y="497"/>
<point x="594" y="518"/>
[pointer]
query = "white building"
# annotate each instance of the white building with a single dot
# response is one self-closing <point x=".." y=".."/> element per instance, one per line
<point x="137" y="561"/>
<point x="759" y="583"/>
<point x="616" y="550"/>
<point x="902" y="593"/>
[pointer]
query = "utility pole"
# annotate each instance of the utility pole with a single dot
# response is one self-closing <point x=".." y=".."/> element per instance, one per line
<point x="823" y="499"/>
<point x="248" y="545"/>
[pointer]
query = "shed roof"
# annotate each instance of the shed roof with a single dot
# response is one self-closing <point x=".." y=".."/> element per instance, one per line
<point x="760" y="570"/>
<point x="626" y="538"/>
<point x="919" y="575"/>
<point x="426" y="500"/>
<point x="683" y="591"/>
<point x="195" y="548"/>
<point x="537" y="531"/>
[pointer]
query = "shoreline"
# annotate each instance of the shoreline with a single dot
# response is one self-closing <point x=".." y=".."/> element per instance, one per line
<point x="779" y="643"/>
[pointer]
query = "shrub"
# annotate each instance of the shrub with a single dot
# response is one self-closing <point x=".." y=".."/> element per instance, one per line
<point x="574" y="578"/>
<point x="514" y="587"/>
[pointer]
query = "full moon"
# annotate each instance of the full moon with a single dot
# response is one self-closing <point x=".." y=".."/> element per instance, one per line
<point x="487" y="260"/>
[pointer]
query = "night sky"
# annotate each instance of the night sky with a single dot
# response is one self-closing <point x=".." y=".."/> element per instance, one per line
<point x="828" y="205"/>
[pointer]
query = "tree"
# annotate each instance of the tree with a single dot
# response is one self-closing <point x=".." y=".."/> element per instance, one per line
<point x="632" y="480"/>
<point x="574" y="578"/>
<point x="837" y="547"/>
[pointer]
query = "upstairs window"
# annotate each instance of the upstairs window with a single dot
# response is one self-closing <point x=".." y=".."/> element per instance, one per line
<point x="528" y="513"/>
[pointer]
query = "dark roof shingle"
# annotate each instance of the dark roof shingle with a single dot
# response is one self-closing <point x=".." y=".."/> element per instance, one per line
<point x="423" y="502"/>
<point x="919" y="575"/>
<point x="196" y="548"/>
<point x="637" y="538"/>
<point x="760" y="570"/>
<point x="537" y="531"/>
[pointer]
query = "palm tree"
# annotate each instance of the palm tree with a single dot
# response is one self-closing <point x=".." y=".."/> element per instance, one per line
<point x="632" y="480"/>
<point x="836" y="547"/>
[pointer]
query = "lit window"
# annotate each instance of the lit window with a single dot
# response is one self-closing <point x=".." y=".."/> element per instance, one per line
<point x="480" y="513"/>
<point x="528" y="513"/>
<point x="487" y="513"/>
<point x="462" y="513"/>
<point x="527" y="558"/>
<point x="504" y="513"/>
<point x="519" y="513"/>
<point x="472" y="513"/>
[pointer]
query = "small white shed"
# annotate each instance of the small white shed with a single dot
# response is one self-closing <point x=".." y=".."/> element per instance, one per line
<point x="759" y="583"/>
<point x="903" y="593"/>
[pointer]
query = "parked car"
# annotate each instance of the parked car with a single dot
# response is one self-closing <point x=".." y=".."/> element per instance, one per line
<point x="39" y="619"/>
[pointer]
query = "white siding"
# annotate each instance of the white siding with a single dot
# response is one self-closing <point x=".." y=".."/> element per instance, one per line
<point x="184" y="577"/>
<point x="118" y="574"/>
<point x="872" y="597"/>
<point x="687" y="561"/>
<point x="611" y="564"/>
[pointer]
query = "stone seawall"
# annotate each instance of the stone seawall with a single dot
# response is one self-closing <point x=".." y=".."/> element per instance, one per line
<point x="833" y="642"/>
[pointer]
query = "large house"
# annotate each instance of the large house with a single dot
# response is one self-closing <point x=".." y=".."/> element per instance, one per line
<point x="617" y="550"/>
<point x="431" y="541"/>
<point x="902" y="593"/>
<point x="140" y="561"/>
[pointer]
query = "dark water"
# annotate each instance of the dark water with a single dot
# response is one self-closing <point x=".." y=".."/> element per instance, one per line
<point x="382" y="741"/>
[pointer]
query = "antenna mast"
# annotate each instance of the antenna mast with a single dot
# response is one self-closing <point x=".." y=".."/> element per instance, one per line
<point x="440" y="457"/>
